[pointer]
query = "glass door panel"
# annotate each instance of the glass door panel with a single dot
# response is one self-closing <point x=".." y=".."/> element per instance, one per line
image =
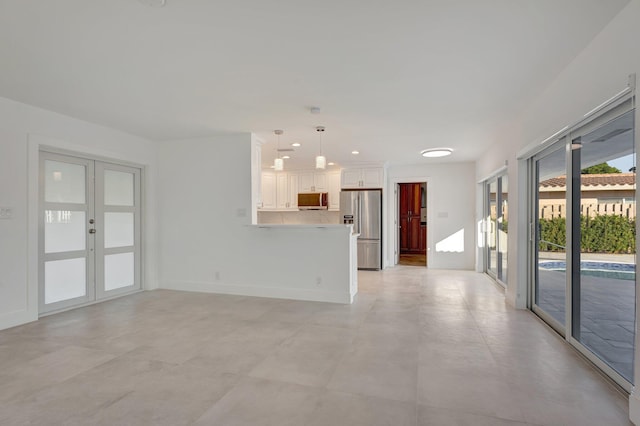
<point x="550" y="237"/>
<point x="65" y="280"/>
<point x="492" y="223"/>
<point x="66" y="258"/>
<point x="118" y="240"/>
<point x="503" y="227"/>
<point x="603" y="282"/>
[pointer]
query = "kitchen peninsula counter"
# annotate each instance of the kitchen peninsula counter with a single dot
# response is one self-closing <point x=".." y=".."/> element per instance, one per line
<point x="316" y="262"/>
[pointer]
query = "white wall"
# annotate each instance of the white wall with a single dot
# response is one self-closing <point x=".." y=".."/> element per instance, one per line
<point x="450" y="209"/>
<point x="209" y="244"/>
<point x="22" y="129"/>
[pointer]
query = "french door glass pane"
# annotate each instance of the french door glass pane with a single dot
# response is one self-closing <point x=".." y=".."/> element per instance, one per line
<point x="64" y="230"/>
<point x="118" y="271"/>
<point x="118" y="229"/>
<point x="493" y="226"/>
<point x="64" y="182"/>
<point x="604" y="312"/>
<point x="503" y="228"/>
<point x="551" y="275"/>
<point x="65" y="279"/>
<point x="118" y="188"/>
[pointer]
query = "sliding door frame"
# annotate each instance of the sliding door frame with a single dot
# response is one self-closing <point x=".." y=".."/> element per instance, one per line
<point x="620" y="104"/>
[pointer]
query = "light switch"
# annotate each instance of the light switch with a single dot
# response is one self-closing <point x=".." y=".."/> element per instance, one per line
<point x="6" y="213"/>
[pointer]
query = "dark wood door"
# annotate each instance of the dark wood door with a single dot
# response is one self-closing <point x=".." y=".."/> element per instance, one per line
<point x="409" y="215"/>
<point x="423" y="238"/>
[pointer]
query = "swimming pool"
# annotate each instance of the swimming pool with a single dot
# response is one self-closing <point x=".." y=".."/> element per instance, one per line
<point x="615" y="270"/>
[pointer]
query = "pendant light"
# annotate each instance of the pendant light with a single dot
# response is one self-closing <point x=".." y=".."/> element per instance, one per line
<point x="278" y="163"/>
<point x="321" y="161"/>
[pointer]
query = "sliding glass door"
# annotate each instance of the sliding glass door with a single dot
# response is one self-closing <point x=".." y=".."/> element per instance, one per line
<point x="583" y="223"/>
<point x="550" y="220"/>
<point x="496" y="190"/>
<point x="604" y="255"/>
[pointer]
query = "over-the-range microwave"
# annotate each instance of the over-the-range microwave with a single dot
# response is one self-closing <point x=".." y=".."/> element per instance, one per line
<point x="313" y="201"/>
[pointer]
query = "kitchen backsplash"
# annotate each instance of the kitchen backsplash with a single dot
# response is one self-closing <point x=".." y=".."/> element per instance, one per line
<point x="304" y="217"/>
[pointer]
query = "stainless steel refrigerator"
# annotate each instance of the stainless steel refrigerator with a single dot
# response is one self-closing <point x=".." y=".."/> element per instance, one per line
<point x="364" y="210"/>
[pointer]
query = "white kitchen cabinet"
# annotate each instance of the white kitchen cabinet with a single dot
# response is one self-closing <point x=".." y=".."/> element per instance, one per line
<point x="312" y="182"/>
<point x="282" y="190"/>
<point x="369" y="177"/>
<point x="279" y="191"/>
<point x="333" y="189"/>
<point x="269" y="187"/>
<point x="293" y="190"/>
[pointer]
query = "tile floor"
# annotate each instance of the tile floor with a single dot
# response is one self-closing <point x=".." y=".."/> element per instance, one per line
<point x="419" y="347"/>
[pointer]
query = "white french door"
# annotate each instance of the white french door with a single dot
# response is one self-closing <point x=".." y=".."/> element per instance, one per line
<point x="90" y="231"/>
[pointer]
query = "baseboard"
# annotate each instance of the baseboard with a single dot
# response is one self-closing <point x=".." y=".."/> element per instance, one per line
<point x="271" y="292"/>
<point x="16" y="318"/>
<point x="634" y="408"/>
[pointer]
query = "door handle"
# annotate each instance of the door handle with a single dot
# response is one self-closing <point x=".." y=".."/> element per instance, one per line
<point x="92" y="231"/>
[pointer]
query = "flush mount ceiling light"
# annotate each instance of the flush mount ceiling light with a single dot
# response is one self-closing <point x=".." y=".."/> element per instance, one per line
<point x="331" y="164"/>
<point x="321" y="161"/>
<point x="296" y="144"/>
<point x="278" y="163"/>
<point x="355" y="152"/>
<point x="436" y="152"/>
<point x="285" y="157"/>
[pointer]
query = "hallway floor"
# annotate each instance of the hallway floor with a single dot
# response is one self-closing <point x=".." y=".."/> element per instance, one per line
<point x="418" y="347"/>
<point x="410" y="259"/>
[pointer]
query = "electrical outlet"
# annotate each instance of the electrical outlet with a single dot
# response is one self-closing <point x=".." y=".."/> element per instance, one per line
<point x="217" y="275"/>
<point x="318" y="280"/>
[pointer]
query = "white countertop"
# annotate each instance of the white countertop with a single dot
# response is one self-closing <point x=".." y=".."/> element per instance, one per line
<point x="302" y="226"/>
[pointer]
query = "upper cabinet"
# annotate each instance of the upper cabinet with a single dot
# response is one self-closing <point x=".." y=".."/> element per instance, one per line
<point x="280" y="189"/>
<point x="268" y="190"/>
<point x="333" y="190"/>
<point x="369" y="177"/>
<point x="312" y="182"/>
<point x="294" y="183"/>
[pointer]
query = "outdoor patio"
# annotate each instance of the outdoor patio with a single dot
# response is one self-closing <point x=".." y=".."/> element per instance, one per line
<point x="607" y="314"/>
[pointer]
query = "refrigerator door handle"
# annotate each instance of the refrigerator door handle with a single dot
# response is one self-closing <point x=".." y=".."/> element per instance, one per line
<point x="359" y="203"/>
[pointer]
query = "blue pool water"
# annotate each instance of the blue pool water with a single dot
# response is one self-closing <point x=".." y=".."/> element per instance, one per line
<point x="616" y="270"/>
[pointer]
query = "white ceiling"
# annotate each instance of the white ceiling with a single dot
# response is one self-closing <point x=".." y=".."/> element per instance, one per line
<point x="391" y="77"/>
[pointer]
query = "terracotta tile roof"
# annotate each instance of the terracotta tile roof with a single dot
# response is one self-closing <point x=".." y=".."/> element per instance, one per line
<point x="611" y="179"/>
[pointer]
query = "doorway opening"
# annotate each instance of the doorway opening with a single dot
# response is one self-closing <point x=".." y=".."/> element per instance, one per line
<point x="412" y="224"/>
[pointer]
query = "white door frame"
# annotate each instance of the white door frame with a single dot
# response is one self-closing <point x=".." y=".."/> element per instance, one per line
<point x="393" y="217"/>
